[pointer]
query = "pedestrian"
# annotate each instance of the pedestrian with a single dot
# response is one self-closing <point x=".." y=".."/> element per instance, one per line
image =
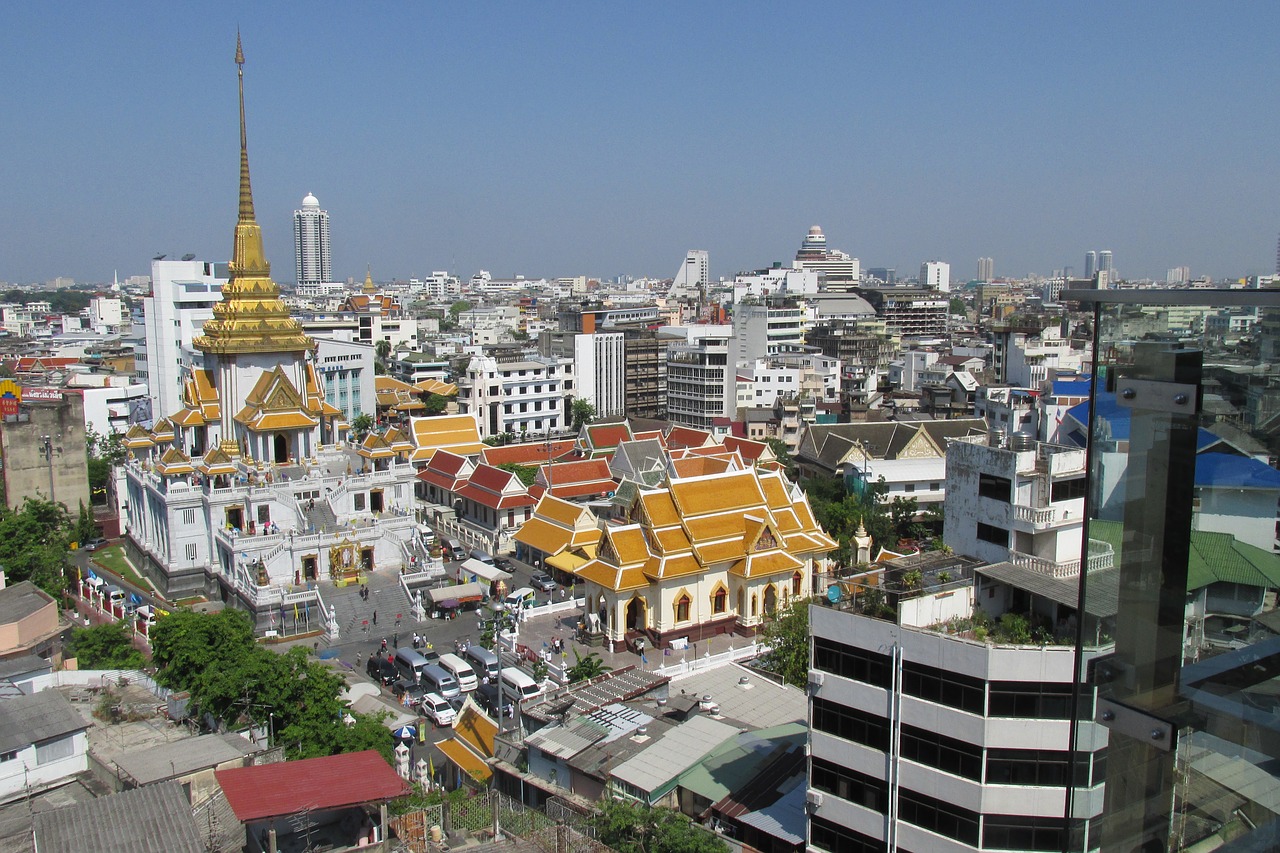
<point x="395" y="639"/>
<point x="357" y="659"/>
<point x="384" y="644"/>
<point x="375" y="617"/>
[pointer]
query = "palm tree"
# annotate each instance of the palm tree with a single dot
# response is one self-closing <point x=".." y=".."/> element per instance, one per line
<point x="586" y="668"/>
<point x="361" y="424"/>
<point x="382" y="349"/>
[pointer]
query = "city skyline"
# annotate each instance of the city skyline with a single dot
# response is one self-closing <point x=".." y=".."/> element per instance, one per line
<point x="605" y="141"/>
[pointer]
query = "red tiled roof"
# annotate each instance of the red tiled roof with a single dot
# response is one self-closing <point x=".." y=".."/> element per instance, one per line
<point x="493" y="500"/>
<point x="444" y="462"/>
<point x="530" y="453"/>
<point x="686" y="437"/>
<point x="490" y="478"/>
<point x="312" y="784"/>
<point x="750" y="450"/>
<point x="606" y="436"/>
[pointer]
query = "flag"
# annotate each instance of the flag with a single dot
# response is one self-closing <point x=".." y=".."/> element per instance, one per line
<point x="295" y="612"/>
<point x="431" y="768"/>
<point x="666" y="652"/>
<point x="643" y="659"/>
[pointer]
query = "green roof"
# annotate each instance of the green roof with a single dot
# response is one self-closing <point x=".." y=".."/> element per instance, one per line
<point x="1215" y="557"/>
<point x="737" y="761"/>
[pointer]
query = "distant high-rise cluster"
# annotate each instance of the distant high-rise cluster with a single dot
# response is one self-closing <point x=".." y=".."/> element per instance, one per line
<point x="986" y="269"/>
<point x="1098" y="262"/>
<point x="311" y="243"/>
<point x="1178" y="275"/>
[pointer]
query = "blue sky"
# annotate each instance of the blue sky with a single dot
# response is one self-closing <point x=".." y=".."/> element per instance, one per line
<point x="608" y="138"/>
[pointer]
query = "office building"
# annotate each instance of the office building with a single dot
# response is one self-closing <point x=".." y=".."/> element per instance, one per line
<point x="183" y="294"/>
<point x="766" y="330"/>
<point x="839" y="270"/>
<point x="1178" y="275"/>
<point x="311" y="243"/>
<point x="1090" y="263"/>
<point x="1104" y="264"/>
<point x="517" y="393"/>
<point x="694" y="276"/>
<point x="936" y="275"/>
<point x="701" y="375"/>
<point x="986" y="269"/>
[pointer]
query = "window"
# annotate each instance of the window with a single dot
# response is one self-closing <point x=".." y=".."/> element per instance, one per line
<point x="938" y="816"/>
<point x="826" y="835"/>
<point x="719" y="601"/>
<point x="54" y="750"/>
<point x="850" y="662"/>
<point x="359" y="501"/>
<point x="1037" y="767"/>
<point x="944" y="753"/>
<point x="863" y="790"/>
<point x="797" y="580"/>
<point x="9" y="756"/>
<point x="952" y="689"/>
<point x="188" y="516"/>
<point x="910" y="487"/>
<point x="994" y="535"/>
<point x="996" y="488"/>
<point x="1030" y="700"/>
<point x="1015" y="832"/>
<point x="682" y="608"/>
<point x="1066" y="490"/>
<point x="191" y="551"/>
<point x="850" y="724"/>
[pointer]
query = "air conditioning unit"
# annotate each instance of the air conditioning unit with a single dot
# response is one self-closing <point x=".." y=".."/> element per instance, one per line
<point x="817" y="678"/>
<point x="812" y="800"/>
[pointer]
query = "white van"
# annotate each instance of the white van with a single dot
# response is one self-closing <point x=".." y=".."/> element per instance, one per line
<point x="113" y="596"/>
<point x="460" y="670"/>
<point x="483" y="661"/>
<point x="410" y="664"/>
<point x="520" y="684"/>
<point x="520" y="599"/>
<point x="437" y="679"/>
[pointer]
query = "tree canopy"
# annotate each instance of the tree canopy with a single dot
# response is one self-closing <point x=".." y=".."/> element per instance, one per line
<point x="787" y="635"/>
<point x="526" y="473"/>
<point x="581" y="412"/>
<point x="361" y="424"/>
<point x="106" y="646"/>
<point x="232" y="678"/>
<point x="633" y="828"/>
<point x="435" y="404"/>
<point x="585" y="668"/>
<point x="33" y="544"/>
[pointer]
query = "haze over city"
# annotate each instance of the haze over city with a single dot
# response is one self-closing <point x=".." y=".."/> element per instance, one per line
<point x="608" y="140"/>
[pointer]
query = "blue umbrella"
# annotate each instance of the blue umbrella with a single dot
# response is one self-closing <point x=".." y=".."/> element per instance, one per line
<point x="405" y="733"/>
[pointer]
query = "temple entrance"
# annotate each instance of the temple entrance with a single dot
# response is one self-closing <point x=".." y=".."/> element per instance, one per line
<point x="310" y="568"/>
<point x="635" y="615"/>
<point x="375" y="500"/>
<point x="366" y="559"/>
<point x="235" y="517"/>
<point x="281" y="455"/>
<point x="770" y="600"/>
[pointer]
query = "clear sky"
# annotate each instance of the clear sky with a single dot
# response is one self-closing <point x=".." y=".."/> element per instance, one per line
<point x="609" y="138"/>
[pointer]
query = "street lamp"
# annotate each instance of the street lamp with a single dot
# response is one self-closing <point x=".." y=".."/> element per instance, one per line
<point x="503" y="620"/>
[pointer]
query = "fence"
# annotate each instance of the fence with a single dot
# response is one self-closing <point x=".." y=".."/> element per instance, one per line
<point x="97" y="678"/>
<point x="684" y="668"/>
<point x="558" y="829"/>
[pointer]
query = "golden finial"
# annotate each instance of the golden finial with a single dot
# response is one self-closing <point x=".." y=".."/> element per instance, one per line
<point x="368" y="279"/>
<point x="239" y="49"/>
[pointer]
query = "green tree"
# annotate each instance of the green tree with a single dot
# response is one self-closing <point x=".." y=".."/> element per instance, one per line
<point x="629" y="827"/>
<point x="105" y="646"/>
<point x="958" y="306"/>
<point x="586" y="668"/>
<point x="526" y="473"/>
<point x="787" y="635"/>
<point x="435" y="404"/>
<point x="581" y="413"/>
<point x="785" y="459"/>
<point x="457" y="308"/>
<point x="234" y="680"/>
<point x="85" y="527"/>
<point x="33" y="544"/>
<point x="382" y="350"/>
<point x="361" y="425"/>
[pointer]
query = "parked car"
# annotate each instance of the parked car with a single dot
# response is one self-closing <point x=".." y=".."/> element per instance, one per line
<point x="544" y="582"/>
<point x="412" y="689"/>
<point x="382" y="670"/>
<point x="502" y="563"/>
<point x="436" y="709"/>
<point x="94" y="544"/>
<point x="487" y="697"/>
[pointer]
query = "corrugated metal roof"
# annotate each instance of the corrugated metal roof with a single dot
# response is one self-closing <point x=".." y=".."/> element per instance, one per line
<point x="335" y="781"/>
<point x="169" y="760"/>
<point x="1101" y="589"/>
<point x="46" y="715"/>
<point x="677" y="751"/>
<point x="1215" y="557"/>
<point x="153" y="819"/>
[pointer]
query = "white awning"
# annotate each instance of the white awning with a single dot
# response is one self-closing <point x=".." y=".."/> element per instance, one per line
<point x="460" y="593"/>
<point x="484" y="571"/>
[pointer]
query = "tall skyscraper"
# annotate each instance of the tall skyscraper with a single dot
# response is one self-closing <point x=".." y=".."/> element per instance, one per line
<point x="1104" y="262"/>
<point x="986" y="269"/>
<point x="1090" y="263"/>
<point x="837" y="268"/>
<point x="311" y="243"/>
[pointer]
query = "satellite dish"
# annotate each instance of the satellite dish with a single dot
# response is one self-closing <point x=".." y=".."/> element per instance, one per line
<point x="189" y="257"/>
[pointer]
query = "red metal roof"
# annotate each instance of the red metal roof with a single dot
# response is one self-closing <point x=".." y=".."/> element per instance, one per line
<point x="529" y="453"/>
<point x="337" y="781"/>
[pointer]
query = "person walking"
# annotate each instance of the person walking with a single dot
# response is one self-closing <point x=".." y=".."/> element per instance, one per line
<point x="375" y="617"/>
<point x="384" y="644"/>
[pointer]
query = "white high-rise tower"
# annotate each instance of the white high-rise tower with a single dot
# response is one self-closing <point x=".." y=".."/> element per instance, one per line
<point x="311" y="243"/>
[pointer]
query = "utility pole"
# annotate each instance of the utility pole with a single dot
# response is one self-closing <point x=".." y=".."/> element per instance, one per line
<point x="46" y="447"/>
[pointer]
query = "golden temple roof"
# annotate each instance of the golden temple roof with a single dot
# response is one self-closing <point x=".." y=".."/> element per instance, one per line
<point x="251" y="316"/>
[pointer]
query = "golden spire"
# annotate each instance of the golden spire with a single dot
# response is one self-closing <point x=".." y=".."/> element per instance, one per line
<point x="251" y="316"/>
<point x="368" y="280"/>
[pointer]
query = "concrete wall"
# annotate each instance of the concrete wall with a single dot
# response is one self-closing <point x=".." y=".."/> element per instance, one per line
<point x="26" y="468"/>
